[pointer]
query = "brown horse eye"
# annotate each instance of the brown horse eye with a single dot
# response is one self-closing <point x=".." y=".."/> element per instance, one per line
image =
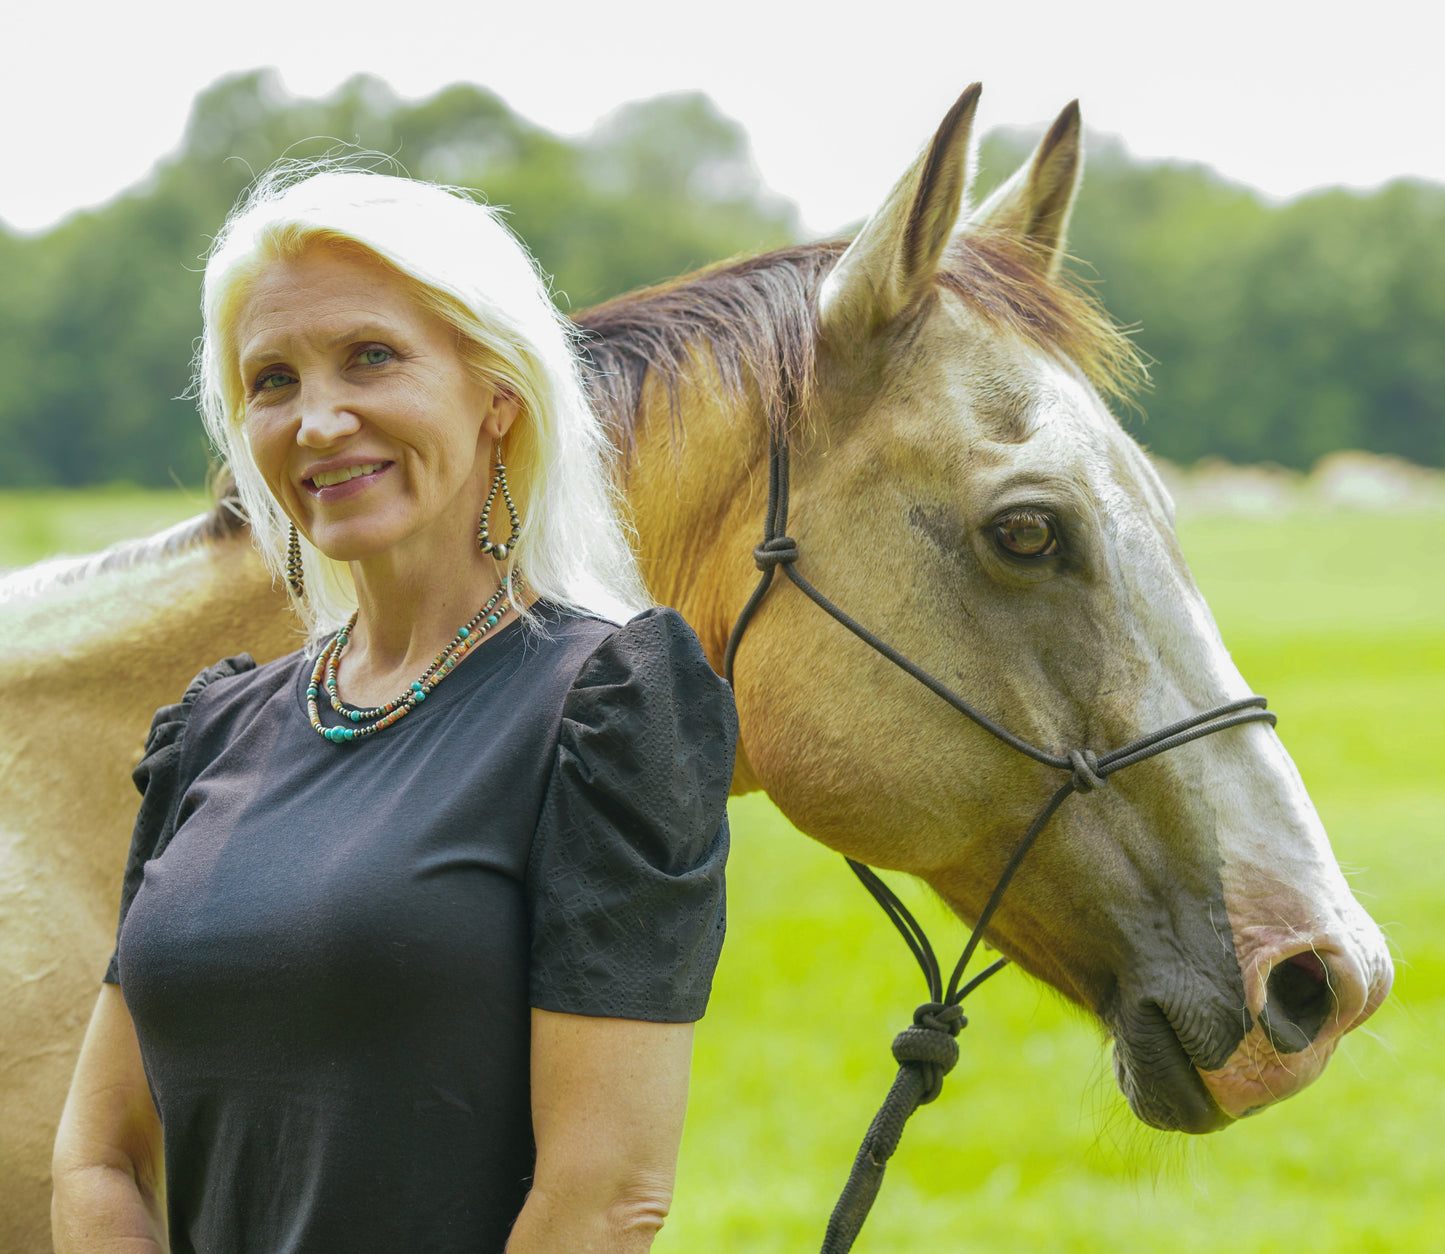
<point x="1028" y="535"/>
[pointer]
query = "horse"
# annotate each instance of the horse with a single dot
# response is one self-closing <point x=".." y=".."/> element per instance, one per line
<point x="960" y="487"/>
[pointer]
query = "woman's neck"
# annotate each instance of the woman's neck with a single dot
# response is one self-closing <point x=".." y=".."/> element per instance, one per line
<point x="407" y="614"/>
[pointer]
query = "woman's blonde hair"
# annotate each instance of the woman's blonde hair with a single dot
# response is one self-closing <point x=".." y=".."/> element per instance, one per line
<point x="464" y="266"/>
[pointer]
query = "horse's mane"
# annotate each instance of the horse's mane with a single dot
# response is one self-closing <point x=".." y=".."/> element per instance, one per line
<point x="758" y="318"/>
<point x="224" y="519"/>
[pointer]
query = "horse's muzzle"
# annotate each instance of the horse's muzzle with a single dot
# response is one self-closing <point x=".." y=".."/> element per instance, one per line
<point x="1199" y="1066"/>
<point x="1303" y="999"/>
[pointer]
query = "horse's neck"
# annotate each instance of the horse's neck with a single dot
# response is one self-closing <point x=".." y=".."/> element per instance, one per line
<point x="696" y="486"/>
<point x="82" y="667"/>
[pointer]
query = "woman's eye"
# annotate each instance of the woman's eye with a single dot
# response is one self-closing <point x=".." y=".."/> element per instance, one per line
<point x="374" y="356"/>
<point x="1027" y="534"/>
<point x="273" y="379"/>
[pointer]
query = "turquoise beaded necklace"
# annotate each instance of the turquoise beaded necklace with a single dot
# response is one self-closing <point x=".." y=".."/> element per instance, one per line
<point x="323" y="674"/>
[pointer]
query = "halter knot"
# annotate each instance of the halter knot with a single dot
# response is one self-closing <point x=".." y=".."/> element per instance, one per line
<point x="1086" y="770"/>
<point x="779" y="551"/>
<point x="929" y="1045"/>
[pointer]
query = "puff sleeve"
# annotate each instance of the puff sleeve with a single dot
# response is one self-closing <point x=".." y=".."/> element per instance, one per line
<point x="158" y="779"/>
<point x="625" y="873"/>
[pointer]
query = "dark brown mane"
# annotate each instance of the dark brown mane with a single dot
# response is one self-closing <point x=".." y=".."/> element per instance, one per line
<point x="758" y="318"/>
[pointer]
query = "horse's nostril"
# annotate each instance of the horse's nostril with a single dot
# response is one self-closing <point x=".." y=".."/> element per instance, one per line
<point x="1298" y="1002"/>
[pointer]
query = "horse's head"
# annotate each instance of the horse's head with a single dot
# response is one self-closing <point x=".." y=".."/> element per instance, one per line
<point x="959" y="488"/>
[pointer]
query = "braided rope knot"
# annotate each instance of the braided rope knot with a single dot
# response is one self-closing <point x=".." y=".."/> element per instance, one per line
<point x="929" y="1045"/>
<point x="1086" y="770"/>
<point x="779" y="551"/>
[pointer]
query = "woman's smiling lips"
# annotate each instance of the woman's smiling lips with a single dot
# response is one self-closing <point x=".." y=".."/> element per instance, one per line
<point x="337" y="481"/>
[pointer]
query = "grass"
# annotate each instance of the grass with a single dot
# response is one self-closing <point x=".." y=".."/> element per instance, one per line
<point x="49" y="522"/>
<point x="1337" y="619"/>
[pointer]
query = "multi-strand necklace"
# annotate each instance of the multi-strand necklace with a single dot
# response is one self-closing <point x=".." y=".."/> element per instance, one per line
<point x="323" y="674"/>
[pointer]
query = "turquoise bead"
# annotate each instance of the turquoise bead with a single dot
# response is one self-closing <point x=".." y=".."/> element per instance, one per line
<point x="419" y="696"/>
<point x="355" y="716"/>
<point x="464" y="633"/>
<point x="491" y="620"/>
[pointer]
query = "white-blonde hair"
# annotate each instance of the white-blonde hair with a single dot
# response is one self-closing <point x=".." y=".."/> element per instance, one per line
<point x="464" y="266"/>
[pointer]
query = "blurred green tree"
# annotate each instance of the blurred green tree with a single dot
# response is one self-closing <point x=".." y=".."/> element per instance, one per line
<point x="1279" y="332"/>
<point x="104" y="309"/>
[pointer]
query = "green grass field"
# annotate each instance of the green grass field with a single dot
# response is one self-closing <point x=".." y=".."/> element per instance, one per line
<point x="49" y="522"/>
<point x="1336" y="618"/>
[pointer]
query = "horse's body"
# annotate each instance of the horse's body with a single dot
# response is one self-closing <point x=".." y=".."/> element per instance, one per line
<point x="934" y="384"/>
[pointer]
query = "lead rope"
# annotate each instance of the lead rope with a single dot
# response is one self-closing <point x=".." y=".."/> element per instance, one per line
<point x="927" y="1050"/>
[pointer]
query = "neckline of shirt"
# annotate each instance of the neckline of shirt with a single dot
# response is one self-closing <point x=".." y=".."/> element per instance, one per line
<point x="474" y="669"/>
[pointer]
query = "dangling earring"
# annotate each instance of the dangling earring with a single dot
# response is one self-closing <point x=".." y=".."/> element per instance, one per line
<point x="294" y="577"/>
<point x="484" y="542"/>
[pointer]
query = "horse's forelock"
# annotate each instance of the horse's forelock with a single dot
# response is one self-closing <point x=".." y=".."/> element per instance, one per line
<point x="1000" y="279"/>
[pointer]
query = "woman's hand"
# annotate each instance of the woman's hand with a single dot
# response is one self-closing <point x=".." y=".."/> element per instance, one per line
<point x="608" y="1098"/>
<point x="108" y="1169"/>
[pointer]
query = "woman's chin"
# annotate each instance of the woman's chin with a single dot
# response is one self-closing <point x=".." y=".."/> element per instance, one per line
<point x="384" y="537"/>
<point x="358" y="542"/>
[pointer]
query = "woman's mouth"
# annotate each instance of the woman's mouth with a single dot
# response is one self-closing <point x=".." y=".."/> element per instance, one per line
<point x="330" y="484"/>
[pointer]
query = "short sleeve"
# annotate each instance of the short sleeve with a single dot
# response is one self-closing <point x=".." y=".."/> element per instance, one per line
<point x="157" y="778"/>
<point x="626" y="868"/>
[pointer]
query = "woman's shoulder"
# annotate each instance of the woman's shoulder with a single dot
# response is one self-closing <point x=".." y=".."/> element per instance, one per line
<point x="229" y="686"/>
<point x="652" y="670"/>
<point x="241" y="681"/>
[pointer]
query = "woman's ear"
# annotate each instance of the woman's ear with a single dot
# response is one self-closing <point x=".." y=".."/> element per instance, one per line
<point x="501" y="414"/>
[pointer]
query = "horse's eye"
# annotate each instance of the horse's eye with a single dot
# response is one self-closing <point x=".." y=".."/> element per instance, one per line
<point x="1027" y="534"/>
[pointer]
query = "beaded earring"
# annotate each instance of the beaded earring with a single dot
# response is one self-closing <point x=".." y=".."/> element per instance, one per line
<point x="294" y="577"/>
<point x="501" y="549"/>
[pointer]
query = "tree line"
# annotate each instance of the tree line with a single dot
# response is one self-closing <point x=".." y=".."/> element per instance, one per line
<point x="1278" y="333"/>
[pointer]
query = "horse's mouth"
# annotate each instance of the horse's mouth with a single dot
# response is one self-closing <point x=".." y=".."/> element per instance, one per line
<point x="1156" y="1074"/>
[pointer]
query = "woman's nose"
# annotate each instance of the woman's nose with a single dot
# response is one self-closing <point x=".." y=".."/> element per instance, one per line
<point x="325" y="418"/>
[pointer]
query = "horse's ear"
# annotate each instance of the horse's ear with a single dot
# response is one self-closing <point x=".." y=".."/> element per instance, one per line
<point x="1034" y="205"/>
<point x="890" y="266"/>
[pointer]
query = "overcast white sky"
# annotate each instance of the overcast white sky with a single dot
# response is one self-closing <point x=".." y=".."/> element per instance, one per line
<point x="836" y="97"/>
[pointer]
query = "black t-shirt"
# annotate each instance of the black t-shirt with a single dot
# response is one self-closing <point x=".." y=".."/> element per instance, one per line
<point x="329" y="951"/>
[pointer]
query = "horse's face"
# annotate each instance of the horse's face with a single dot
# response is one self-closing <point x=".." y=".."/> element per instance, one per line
<point x="964" y="493"/>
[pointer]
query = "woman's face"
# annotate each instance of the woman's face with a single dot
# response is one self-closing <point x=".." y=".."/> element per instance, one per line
<point x="362" y="418"/>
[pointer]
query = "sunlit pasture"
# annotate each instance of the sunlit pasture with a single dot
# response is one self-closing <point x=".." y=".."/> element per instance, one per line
<point x="1337" y="618"/>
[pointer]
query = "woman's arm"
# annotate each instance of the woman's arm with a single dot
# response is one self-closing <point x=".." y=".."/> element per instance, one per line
<point x="608" y="1097"/>
<point x="108" y="1170"/>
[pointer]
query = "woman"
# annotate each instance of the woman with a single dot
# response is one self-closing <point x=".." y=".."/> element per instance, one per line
<point x="417" y="920"/>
